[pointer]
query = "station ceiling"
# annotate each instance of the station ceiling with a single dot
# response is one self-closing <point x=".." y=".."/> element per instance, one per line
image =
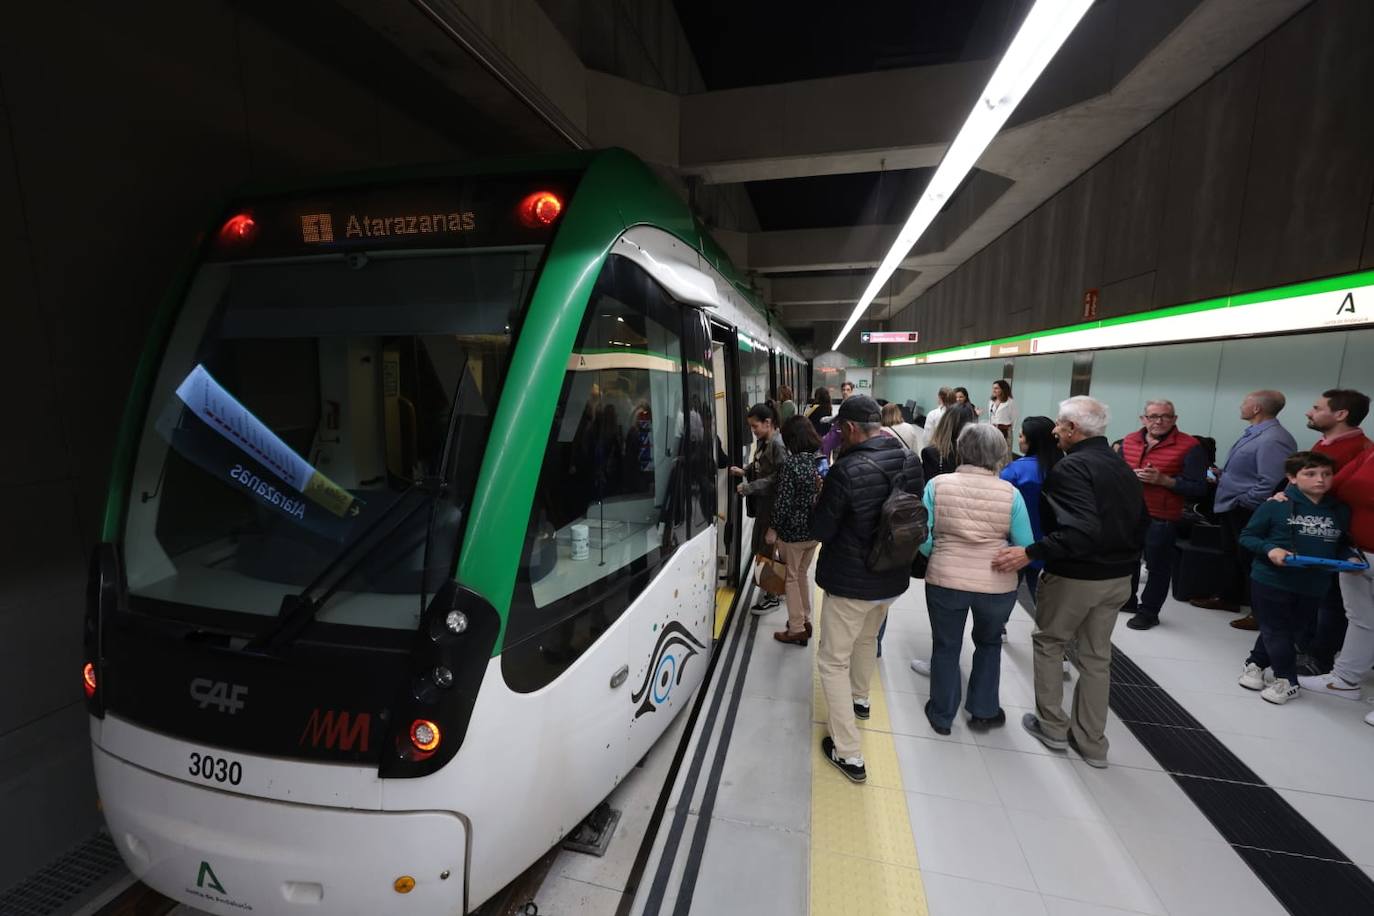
<point x="805" y="132"/>
<point x="753" y="44"/>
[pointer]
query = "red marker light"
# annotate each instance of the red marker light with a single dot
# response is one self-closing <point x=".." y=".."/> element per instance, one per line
<point x="238" y="229"/>
<point x="88" y="679"/>
<point x="540" y="209"/>
<point x="424" y="734"/>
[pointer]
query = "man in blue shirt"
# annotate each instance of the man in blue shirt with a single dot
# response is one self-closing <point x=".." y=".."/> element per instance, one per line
<point x="1253" y="472"/>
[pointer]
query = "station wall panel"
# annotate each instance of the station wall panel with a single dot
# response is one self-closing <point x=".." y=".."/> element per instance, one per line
<point x="1206" y="381"/>
<point x="1187" y="375"/>
<point x="1118" y="381"/>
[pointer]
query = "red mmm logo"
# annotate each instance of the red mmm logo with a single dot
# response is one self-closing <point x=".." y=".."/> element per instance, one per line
<point x="337" y="731"/>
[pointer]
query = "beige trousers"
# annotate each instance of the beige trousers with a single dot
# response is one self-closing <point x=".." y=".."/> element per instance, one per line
<point x="846" y="659"/>
<point x="1082" y="611"/>
<point x="797" y="583"/>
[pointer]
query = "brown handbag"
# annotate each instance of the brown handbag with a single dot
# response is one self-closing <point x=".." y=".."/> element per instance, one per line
<point x="770" y="573"/>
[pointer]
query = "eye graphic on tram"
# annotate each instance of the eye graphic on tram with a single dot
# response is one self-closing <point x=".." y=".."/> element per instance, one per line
<point x="675" y="647"/>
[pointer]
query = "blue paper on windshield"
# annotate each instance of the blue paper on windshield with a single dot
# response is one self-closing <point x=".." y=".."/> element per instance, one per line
<point x="1342" y="565"/>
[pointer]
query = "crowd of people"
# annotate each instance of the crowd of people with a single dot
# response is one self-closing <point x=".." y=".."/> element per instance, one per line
<point x="1064" y="522"/>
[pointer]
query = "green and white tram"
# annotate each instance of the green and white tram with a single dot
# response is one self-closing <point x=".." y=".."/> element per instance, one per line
<point x="415" y="531"/>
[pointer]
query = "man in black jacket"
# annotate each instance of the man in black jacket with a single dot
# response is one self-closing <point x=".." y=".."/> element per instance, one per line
<point x="1093" y="514"/>
<point x="845" y="521"/>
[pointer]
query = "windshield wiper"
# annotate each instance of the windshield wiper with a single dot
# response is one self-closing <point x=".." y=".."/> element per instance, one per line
<point x="298" y="610"/>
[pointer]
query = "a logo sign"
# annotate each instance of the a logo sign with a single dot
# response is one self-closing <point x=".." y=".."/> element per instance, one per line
<point x="317" y="227"/>
<point x="207" y="878"/>
<point x="676" y="646"/>
<point x="222" y="695"/>
<point x="337" y="731"/>
<point x="1347" y="305"/>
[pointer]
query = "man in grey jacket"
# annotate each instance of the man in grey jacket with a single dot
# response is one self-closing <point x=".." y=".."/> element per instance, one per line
<point x="1253" y="472"/>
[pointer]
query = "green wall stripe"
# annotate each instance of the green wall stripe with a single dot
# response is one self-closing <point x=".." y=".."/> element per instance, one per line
<point x="1291" y="291"/>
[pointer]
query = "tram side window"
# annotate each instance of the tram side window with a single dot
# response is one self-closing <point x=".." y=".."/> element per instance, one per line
<point x="610" y="504"/>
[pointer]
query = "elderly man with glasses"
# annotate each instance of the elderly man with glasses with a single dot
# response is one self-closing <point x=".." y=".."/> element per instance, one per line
<point x="1172" y="467"/>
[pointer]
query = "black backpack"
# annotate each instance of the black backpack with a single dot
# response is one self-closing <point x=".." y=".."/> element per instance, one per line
<point x="903" y="525"/>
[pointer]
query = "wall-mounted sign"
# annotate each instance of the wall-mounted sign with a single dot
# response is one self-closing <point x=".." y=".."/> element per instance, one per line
<point x="1331" y="304"/>
<point x="887" y="336"/>
<point x="1090" y="305"/>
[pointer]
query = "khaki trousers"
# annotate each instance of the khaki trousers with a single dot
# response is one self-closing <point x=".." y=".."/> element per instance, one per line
<point x="846" y="659"/>
<point x="796" y="583"/>
<point x="1083" y="611"/>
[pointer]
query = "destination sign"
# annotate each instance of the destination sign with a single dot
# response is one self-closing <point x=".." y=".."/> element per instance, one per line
<point x="888" y="336"/>
<point x="458" y="211"/>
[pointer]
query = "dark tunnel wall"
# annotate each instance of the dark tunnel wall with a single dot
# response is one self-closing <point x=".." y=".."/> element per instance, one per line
<point x="123" y="127"/>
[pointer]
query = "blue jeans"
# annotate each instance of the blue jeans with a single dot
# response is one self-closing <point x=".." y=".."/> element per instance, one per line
<point x="1325" y="632"/>
<point x="1160" y="558"/>
<point x="1282" y="617"/>
<point x="949" y="609"/>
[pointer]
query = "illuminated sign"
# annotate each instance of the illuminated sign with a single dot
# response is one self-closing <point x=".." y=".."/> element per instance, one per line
<point x="1318" y="305"/>
<point x="887" y="336"/>
<point x="458" y="211"/>
<point x="318" y="228"/>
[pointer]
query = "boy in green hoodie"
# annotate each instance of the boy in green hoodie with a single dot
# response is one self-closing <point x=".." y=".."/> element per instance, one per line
<point x="1305" y="523"/>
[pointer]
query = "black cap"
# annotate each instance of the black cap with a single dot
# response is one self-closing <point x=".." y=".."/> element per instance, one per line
<point x="860" y="409"/>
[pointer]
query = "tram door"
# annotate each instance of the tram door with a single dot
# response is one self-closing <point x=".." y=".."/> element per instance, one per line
<point x="724" y="503"/>
<point x="730" y="507"/>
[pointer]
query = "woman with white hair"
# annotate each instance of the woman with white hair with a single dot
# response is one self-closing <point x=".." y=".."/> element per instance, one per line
<point x="973" y="515"/>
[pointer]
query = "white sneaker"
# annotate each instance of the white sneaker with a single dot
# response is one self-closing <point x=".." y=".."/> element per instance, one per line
<point x="921" y="666"/>
<point x="1280" y="691"/>
<point x="1329" y="685"/>
<point x="1369" y="719"/>
<point x="1067" y="668"/>
<point x="1253" y="678"/>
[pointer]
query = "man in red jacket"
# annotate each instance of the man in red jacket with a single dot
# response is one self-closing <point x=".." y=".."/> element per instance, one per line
<point x="1172" y="467"/>
<point x="1354" y="486"/>
<point x="1337" y="415"/>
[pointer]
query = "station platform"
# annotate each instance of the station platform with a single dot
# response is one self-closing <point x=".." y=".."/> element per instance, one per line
<point x="755" y="821"/>
<point x="1214" y="802"/>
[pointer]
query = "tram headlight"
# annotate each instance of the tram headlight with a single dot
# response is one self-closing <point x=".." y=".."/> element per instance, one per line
<point x="443" y="677"/>
<point x="425" y="735"/>
<point x="456" y="621"/>
<point x="88" y="679"/>
<point x="238" y="229"/>
<point x="540" y="209"/>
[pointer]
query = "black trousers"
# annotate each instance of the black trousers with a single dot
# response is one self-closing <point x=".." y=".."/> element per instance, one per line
<point x="1233" y="522"/>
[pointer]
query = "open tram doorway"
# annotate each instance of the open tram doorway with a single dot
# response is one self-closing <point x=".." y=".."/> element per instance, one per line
<point x="730" y="507"/>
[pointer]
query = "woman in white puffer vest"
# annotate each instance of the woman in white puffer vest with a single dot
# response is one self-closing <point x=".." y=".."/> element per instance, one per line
<point x="973" y="514"/>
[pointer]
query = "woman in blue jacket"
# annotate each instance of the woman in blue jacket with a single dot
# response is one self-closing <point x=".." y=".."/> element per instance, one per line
<point x="1040" y="452"/>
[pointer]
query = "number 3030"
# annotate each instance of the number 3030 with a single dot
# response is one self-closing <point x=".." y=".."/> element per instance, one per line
<point x="216" y="769"/>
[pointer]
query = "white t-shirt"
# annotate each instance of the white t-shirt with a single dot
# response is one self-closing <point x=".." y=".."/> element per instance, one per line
<point x="933" y="418"/>
<point x="1002" y="413"/>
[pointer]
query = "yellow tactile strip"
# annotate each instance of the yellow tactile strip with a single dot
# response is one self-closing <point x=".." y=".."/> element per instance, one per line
<point x="863" y="857"/>
<point x="724" y="596"/>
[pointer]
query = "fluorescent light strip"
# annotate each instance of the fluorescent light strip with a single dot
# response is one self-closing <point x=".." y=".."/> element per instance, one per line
<point x="1046" y="27"/>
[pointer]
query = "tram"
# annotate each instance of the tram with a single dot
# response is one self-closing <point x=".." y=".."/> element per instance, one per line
<point x="415" y="530"/>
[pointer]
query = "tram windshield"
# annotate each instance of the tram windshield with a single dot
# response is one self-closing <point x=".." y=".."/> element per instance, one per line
<point x="299" y="400"/>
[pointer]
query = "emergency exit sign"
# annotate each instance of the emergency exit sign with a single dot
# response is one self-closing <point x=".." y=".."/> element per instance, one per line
<point x="887" y="336"/>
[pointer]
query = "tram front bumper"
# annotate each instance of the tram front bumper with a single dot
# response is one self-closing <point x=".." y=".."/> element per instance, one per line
<point x="234" y="854"/>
